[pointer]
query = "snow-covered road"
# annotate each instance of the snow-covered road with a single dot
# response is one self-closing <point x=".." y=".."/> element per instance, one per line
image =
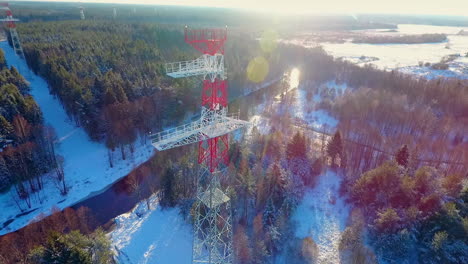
<point x="87" y="170"/>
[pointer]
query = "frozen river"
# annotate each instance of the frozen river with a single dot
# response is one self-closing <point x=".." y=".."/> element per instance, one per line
<point x="406" y="57"/>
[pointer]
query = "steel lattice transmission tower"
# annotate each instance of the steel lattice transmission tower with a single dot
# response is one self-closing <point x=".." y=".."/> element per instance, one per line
<point x="213" y="221"/>
<point x="10" y="24"/>
<point x="82" y="16"/>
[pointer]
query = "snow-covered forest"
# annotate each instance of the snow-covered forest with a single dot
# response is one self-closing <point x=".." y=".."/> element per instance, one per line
<point x="346" y="160"/>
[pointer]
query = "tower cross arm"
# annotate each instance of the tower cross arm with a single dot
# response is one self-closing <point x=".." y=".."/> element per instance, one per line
<point x="196" y="131"/>
<point x="205" y="65"/>
<point x="9" y="20"/>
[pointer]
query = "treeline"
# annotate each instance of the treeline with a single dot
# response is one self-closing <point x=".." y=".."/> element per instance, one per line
<point x="26" y="145"/>
<point x="188" y="15"/>
<point x="67" y="236"/>
<point x="400" y="39"/>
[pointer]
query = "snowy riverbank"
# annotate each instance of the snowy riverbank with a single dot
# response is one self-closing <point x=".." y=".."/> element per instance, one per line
<point x="86" y="165"/>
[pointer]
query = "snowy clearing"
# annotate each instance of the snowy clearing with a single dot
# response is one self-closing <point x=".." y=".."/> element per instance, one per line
<point x="304" y="110"/>
<point x="156" y="236"/>
<point x="322" y="215"/>
<point x="86" y="165"/>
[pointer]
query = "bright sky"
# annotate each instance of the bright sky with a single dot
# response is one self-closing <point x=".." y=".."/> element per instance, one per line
<point x="436" y="7"/>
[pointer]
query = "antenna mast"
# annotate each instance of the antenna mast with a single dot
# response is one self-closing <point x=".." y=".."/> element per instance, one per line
<point x="10" y="24"/>
<point x="213" y="217"/>
<point x="82" y="16"/>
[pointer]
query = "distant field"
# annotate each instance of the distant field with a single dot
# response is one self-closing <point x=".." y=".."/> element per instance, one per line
<point x="401" y="39"/>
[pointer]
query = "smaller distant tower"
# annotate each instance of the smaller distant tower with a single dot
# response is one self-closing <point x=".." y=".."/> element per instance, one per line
<point x="114" y="13"/>
<point x="82" y="16"/>
<point x="134" y="10"/>
<point x="10" y="24"/>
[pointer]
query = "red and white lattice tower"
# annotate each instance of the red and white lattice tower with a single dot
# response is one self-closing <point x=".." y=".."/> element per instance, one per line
<point x="82" y="16"/>
<point x="212" y="221"/>
<point x="10" y="24"/>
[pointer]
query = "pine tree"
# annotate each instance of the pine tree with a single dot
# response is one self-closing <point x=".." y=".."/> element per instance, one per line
<point x="59" y="249"/>
<point x="387" y="220"/>
<point x="73" y="247"/>
<point x="22" y="128"/>
<point x="335" y="147"/>
<point x="296" y="148"/>
<point x="439" y="239"/>
<point x="167" y="184"/>
<point x="243" y="252"/>
<point x="109" y="97"/>
<point x="269" y="214"/>
<point x="317" y="167"/>
<point x="309" y="250"/>
<point x="5" y="177"/>
<point x="120" y="94"/>
<point x="6" y="129"/>
<point x="277" y="184"/>
<point x="402" y="156"/>
<point x="101" y="248"/>
<point x="2" y="60"/>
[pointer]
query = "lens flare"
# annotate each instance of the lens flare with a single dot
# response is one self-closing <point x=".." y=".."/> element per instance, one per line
<point x="257" y="69"/>
<point x="269" y="41"/>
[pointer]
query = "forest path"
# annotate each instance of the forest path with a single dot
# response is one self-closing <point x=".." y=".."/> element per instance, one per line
<point x="86" y="165"/>
<point x="322" y="215"/>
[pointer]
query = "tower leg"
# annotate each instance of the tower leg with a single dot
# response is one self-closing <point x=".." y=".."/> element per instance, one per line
<point x="16" y="42"/>
<point x="212" y="220"/>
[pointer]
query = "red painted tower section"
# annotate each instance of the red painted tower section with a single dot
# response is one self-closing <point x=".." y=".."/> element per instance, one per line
<point x="10" y="24"/>
<point x="214" y="151"/>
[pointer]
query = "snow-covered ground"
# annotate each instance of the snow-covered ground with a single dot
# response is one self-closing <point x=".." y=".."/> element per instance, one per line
<point x="316" y="118"/>
<point x="322" y="215"/>
<point x="86" y="165"/>
<point x="306" y="111"/>
<point x="156" y="236"/>
<point x="406" y="57"/>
